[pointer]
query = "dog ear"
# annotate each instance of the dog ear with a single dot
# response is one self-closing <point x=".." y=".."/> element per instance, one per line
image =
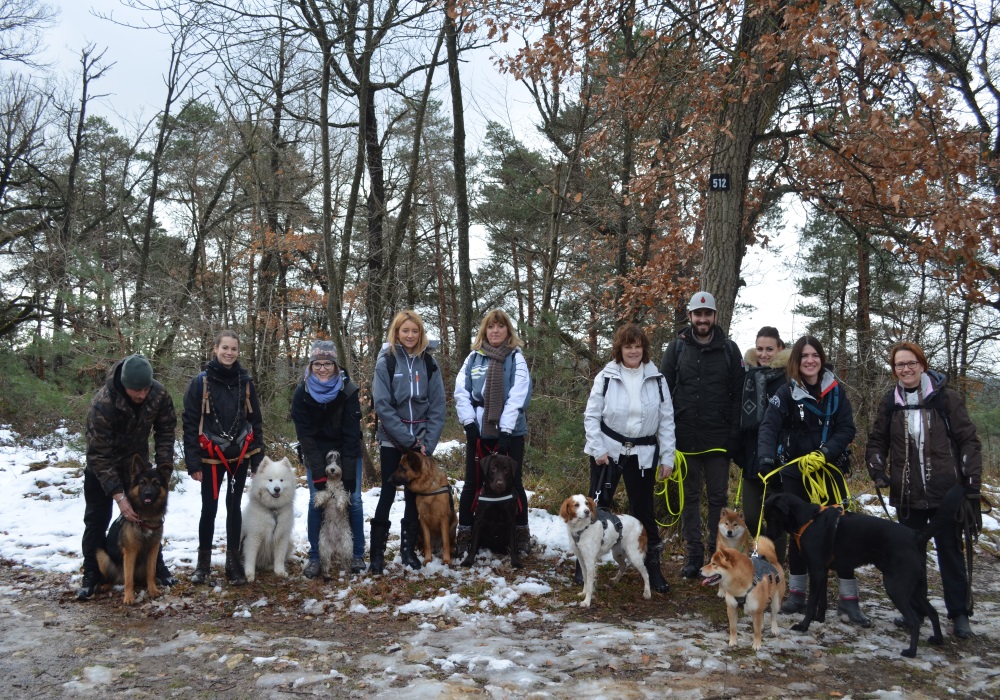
<point x="592" y="504"/>
<point x="565" y="512"/>
<point x="165" y="471"/>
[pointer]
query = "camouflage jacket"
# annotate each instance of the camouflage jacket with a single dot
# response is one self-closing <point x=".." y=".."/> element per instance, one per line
<point x="117" y="430"/>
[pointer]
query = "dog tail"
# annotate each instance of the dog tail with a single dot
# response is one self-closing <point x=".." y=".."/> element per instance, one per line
<point x="946" y="516"/>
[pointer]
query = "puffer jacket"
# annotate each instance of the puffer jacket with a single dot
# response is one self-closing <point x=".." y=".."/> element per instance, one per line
<point x="921" y="480"/>
<point x="228" y="413"/>
<point x="118" y="430"/>
<point x="774" y="378"/>
<point x="321" y="427"/>
<point x="706" y="385"/>
<point x="613" y="408"/>
<point x="469" y="385"/>
<point x="794" y="422"/>
<point x="410" y="407"/>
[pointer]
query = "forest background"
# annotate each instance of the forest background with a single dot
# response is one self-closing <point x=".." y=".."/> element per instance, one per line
<point x="309" y="173"/>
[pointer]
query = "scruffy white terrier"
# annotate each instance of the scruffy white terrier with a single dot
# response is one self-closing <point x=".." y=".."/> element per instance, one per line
<point x="336" y="544"/>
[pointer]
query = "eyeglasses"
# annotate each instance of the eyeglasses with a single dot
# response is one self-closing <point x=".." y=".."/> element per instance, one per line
<point x="900" y="366"/>
<point x="323" y="365"/>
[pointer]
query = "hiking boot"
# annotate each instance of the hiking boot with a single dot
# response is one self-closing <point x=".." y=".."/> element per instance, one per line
<point x="961" y="626"/>
<point x="652" y="562"/>
<point x="311" y="569"/>
<point x="795" y="603"/>
<point x="407" y="540"/>
<point x="522" y="539"/>
<point x="234" y="569"/>
<point x="693" y="567"/>
<point x="376" y="551"/>
<point x="357" y="565"/>
<point x="91" y="580"/>
<point x="463" y="540"/>
<point x="204" y="567"/>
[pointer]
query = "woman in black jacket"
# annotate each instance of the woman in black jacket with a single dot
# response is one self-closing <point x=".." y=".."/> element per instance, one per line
<point x="223" y="438"/>
<point x="326" y="411"/>
<point x="810" y="417"/>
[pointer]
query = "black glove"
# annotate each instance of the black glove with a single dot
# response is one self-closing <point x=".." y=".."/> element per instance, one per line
<point x="971" y="491"/>
<point x="503" y="445"/>
<point x="825" y="451"/>
<point x="880" y="478"/>
<point x="765" y="467"/>
<point x="471" y="431"/>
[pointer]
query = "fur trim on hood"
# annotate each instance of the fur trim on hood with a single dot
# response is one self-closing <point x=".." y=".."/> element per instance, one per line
<point x="779" y="361"/>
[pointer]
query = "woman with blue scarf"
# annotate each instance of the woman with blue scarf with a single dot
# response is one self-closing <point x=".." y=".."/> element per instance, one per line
<point x="327" y="416"/>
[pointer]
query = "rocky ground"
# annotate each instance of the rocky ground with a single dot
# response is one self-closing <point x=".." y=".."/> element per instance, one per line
<point x="359" y="638"/>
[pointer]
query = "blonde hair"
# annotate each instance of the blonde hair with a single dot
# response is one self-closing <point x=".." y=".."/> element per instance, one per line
<point x="392" y="337"/>
<point x="491" y="319"/>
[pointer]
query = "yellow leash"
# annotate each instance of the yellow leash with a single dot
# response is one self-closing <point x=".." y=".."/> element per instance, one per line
<point x="679" y="474"/>
<point x="816" y="472"/>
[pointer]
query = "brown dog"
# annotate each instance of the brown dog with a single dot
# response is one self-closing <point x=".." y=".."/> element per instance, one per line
<point x="131" y="549"/>
<point x="435" y="504"/>
<point x="752" y="583"/>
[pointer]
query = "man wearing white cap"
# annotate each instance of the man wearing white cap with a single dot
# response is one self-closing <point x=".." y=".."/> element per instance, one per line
<point x="704" y="370"/>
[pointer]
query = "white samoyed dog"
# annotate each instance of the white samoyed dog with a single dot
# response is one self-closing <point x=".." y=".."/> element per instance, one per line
<point x="268" y="518"/>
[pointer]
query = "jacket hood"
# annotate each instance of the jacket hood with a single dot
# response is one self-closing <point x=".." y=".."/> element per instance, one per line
<point x="613" y="369"/>
<point x="779" y="361"/>
<point x="827" y="381"/>
<point x="931" y="382"/>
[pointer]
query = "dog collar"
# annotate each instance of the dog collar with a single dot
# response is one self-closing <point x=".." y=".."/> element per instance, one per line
<point x="493" y="499"/>
<point x="150" y="526"/>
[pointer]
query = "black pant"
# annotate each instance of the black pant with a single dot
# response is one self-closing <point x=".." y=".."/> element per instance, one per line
<point x="791" y="484"/>
<point x="98" y="507"/>
<point x="639" y="485"/>
<point x="389" y="458"/>
<point x="472" y="479"/>
<point x="213" y="476"/>
<point x="954" y="578"/>
<point x="753" y="504"/>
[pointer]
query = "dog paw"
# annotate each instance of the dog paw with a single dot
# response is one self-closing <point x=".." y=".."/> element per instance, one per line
<point x="909" y="653"/>
<point x="129" y="599"/>
<point x="516" y="564"/>
<point x="153" y="592"/>
<point x="584" y="603"/>
<point x="800" y="627"/>
<point x="647" y="595"/>
<point x="279" y="572"/>
<point x="936" y="640"/>
<point x="756" y="646"/>
<point x="732" y="642"/>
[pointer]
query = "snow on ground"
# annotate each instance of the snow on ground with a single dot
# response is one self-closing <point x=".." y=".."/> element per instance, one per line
<point x="489" y="642"/>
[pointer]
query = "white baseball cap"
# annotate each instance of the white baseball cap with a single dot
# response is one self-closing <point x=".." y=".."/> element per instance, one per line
<point x="702" y="300"/>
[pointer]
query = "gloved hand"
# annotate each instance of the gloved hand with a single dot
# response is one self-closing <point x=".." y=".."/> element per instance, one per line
<point x="971" y="491"/>
<point x="503" y="445"/>
<point x="880" y="478"/>
<point x="471" y="431"/>
<point x="765" y="467"/>
<point x="825" y="451"/>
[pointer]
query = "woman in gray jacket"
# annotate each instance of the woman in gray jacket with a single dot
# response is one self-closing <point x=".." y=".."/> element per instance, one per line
<point x="409" y="398"/>
<point x="629" y="422"/>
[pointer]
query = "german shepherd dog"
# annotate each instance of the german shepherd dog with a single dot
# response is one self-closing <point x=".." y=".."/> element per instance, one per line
<point x="435" y="504"/>
<point x="829" y="538"/>
<point x="496" y="510"/>
<point x="131" y="549"/>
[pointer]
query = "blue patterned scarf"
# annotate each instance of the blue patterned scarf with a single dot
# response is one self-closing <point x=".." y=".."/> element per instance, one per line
<point x="324" y="392"/>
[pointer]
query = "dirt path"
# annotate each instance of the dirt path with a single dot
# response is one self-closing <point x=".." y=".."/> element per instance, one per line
<point x="284" y="639"/>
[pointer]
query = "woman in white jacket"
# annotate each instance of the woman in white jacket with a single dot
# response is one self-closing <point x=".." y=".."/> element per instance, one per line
<point x="629" y="422"/>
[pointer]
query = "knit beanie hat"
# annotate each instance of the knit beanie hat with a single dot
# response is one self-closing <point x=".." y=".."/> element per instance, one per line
<point x="323" y="350"/>
<point x="137" y="373"/>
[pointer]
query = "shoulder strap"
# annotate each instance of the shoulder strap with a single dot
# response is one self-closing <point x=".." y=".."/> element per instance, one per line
<point x="390" y="366"/>
<point x="607" y="380"/>
<point x="206" y="405"/>
<point x="430" y="363"/>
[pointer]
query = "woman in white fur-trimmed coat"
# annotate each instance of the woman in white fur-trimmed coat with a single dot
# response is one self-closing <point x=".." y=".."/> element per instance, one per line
<point x="629" y="421"/>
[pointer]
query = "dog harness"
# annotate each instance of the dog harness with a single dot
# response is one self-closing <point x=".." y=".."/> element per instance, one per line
<point x="209" y="441"/>
<point x="798" y="535"/>
<point x="447" y="489"/>
<point x="762" y="569"/>
<point x="606" y="518"/>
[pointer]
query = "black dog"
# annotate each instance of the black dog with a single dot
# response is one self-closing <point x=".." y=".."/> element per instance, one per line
<point x="829" y="538"/>
<point x="496" y="510"/>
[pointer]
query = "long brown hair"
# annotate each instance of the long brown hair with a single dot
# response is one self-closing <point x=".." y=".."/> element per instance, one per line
<point x="795" y="358"/>
<point x="492" y="318"/>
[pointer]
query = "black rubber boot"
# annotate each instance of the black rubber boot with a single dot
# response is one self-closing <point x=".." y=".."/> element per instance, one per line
<point x="380" y="535"/>
<point x="204" y="568"/>
<point x="849" y="604"/>
<point x="795" y="603"/>
<point x="961" y="626"/>
<point x="234" y="569"/>
<point x="656" y="580"/>
<point x="407" y="540"/>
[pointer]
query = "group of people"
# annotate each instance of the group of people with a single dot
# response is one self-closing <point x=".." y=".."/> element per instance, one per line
<point x="780" y="414"/>
<point x="224" y="440"/>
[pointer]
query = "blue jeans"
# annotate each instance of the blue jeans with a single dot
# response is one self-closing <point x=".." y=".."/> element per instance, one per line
<point x="356" y="515"/>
